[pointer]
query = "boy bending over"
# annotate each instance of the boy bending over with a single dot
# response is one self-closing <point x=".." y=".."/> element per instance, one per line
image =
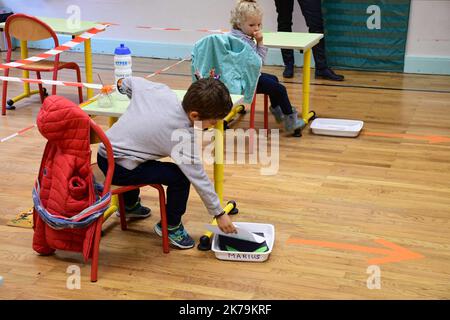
<point x="143" y="134"/>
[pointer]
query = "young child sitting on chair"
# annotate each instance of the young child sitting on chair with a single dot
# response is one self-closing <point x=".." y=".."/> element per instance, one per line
<point x="144" y="134"/>
<point x="246" y="21"/>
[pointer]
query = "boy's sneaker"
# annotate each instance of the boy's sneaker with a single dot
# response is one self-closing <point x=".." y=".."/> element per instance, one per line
<point x="277" y="113"/>
<point x="138" y="211"/>
<point x="177" y="236"/>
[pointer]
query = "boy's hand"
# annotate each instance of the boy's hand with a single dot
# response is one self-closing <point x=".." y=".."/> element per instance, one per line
<point x="225" y="224"/>
<point x="258" y="37"/>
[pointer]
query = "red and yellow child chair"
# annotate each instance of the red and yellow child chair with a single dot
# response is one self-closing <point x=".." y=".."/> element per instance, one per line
<point x="28" y="28"/>
<point x="64" y="194"/>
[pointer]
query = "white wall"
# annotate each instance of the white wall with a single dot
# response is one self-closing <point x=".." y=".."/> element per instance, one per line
<point x="194" y="14"/>
<point x="428" y="36"/>
<point x="429" y="28"/>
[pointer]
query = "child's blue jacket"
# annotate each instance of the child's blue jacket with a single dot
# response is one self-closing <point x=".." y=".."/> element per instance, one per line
<point x="238" y="65"/>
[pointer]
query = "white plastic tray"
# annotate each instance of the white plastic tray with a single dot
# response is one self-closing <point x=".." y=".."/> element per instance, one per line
<point x="337" y="127"/>
<point x="269" y="234"/>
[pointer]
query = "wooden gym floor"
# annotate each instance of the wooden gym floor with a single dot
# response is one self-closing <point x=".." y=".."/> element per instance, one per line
<point x="390" y="183"/>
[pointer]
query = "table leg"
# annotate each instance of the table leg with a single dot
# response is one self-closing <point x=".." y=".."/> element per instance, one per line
<point x="25" y="74"/>
<point x="88" y="66"/>
<point x="89" y="73"/>
<point x="218" y="160"/>
<point x="111" y="121"/>
<point x="234" y="111"/>
<point x="113" y="207"/>
<point x="306" y="114"/>
<point x="205" y="240"/>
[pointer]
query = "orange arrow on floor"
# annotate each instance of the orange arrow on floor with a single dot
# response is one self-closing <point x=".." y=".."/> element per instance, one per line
<point x="391" y="252"/>
<point x="430" y="139"/>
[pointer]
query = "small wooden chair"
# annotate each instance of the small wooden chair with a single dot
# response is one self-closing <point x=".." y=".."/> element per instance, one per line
<point x="119" y="190"/>
<point x="28" y="28"/>
<point x="70" y="185"/>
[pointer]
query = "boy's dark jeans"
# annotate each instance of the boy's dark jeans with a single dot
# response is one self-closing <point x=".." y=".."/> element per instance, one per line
<point x="153" y="172"/>
<point x="270" y="85"/>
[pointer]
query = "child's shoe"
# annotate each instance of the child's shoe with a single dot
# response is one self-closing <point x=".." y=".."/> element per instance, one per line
<point x="137" y="211"/>
<point x="277" y="113"/>
<point x="292" y="122"/>
<point x="177" y="236"/>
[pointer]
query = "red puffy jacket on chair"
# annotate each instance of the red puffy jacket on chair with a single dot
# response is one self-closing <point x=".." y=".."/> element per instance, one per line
<point x="65" y="176"/>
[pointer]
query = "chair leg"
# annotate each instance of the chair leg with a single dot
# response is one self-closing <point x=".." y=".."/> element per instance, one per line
<point x="123" y="219"/>
<point x="252" y="113"/>
<point x="41" y="89"/>
<point x="5" y="92"/>
<point x="266" y="113"/>
<point x="252" y="125"/>
<point x="80" y="89"/>
<point x="164" y="226"/>
<point x="55" y="76"/>
<point x="96" y="249"/>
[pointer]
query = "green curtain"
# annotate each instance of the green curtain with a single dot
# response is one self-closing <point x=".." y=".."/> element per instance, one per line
<point x="355" y="40"/>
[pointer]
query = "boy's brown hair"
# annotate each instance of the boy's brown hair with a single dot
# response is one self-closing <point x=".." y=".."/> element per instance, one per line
<point x="209" y="97"/>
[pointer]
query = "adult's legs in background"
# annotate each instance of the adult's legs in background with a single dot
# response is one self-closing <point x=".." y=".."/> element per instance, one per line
<point x="284" y="10"/>
<point x="312" y="12"/>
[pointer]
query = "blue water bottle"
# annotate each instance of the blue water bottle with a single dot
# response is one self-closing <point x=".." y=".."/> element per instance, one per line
<point x="122" y="64"/>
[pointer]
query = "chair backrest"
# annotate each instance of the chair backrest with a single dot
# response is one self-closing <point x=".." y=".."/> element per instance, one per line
<point x="98" y="135"/>
<point x="27" y="28"/>
<point x="238" y="65"/>
<point x="70" y="132"/>
<point x="65" y="185"/>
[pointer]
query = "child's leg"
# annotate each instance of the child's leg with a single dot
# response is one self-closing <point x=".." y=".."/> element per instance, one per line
<point x="131" y="197"/>
<point x="120" y="179"/>
<point x="178" y="186"/>
<point x="269" y="84"/>
<point x="154" y="172"/>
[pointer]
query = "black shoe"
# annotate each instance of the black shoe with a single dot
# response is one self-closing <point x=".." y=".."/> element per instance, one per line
<point x="137" y="211"/>
<point x="328" y="74"/>
<point x="288" y="71"/>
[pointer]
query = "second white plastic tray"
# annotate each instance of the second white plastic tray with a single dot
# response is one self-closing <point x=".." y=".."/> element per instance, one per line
<point x="337" y="127"/>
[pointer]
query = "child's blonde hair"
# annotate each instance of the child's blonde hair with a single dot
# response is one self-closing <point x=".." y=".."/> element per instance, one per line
<point x="243" y="10"/>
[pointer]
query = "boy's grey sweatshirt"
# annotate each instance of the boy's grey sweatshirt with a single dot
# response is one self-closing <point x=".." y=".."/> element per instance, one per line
<point x="155" y="126"/>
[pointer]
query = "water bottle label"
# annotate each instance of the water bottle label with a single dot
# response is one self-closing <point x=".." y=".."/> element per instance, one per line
<point x="123" y="64"/>
<point x="123" y="74"/>
<point x="122" y="60"/>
